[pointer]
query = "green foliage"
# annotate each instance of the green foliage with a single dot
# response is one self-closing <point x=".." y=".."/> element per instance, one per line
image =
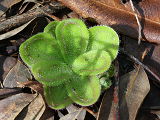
<point x="67" y="57"/>
<point x="84" y="90"/>
<point x="57" y="96"/>
<point x="51" y="73"/>
<point x="92" y="63"/>
<point x="104" y="38"/>
<point x="73" y="37"/>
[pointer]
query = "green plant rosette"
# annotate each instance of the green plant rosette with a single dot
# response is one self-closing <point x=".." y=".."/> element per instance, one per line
<point x="67" y="57"/>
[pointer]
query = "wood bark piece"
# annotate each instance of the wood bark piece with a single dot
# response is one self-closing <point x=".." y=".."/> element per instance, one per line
<point x="24" y="18"/>
<point x="120" y="16"/>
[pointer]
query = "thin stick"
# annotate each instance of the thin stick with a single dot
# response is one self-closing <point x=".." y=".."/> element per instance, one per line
<point x="90" y="111"/>
<point x="140" y="63"/>
<point x="138" y="22"/>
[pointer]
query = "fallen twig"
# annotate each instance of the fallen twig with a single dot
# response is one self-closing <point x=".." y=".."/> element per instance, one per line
<point x="24" y="18"/>
<point x="140" y="63"/>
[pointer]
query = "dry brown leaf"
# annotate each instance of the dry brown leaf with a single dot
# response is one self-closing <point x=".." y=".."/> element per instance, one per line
<point x="12" y="106"/>
<point x="107" y="105"/>
<point x="9" y="63"/>
<point x="34" y="110"/>
<point x="33" y="85"/>
<point x="121" y="17"/>
<point x="19" y="73"/>
<point x="133" y="88"/>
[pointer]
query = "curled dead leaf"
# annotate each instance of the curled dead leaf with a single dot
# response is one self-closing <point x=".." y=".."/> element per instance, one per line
<point x="121" y="17"/>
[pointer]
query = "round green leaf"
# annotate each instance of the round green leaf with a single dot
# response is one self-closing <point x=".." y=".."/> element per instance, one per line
<point x="73" y="37"/>
<point x="104" y="38"/>
<point x="51" y="27"/>
<point x="56" y="97"/>
<point x="51" y="73"/>
<point x="42" y="46"/>
<point x="84" y="91"/>
<point x="92" y="63"/>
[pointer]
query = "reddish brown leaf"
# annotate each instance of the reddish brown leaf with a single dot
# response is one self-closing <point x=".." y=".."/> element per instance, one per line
<point x="121" y="17"/>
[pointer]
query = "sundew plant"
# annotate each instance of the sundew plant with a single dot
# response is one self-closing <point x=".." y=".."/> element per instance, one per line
<point x="67" y="59"/>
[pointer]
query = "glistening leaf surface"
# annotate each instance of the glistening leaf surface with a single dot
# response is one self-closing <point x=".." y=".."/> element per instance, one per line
<point x="92" y="63"/>
<point x="104" y="38"/>
<point x="84" y="91"/>
<point x="51" y="27"/>
<point x="73" y="37"/>
<point x="40" y="47"/>
<point x="51" y="73"/>
<point x="56" y="97"/>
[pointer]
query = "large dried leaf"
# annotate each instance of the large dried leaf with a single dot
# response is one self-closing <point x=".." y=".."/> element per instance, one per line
<point x="133" y="88"/>
<point x="121" y="17"/>
<point x="107" y="108"/>
<point x="35" y="86"/>
<point x="9" y="63"/>
<point x="12" y="106"/>
<point x="19" y="73"/>
<point x="34" y="110"/>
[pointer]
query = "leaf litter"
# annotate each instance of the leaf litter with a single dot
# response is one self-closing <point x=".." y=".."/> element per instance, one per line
<point x="136" y="94"/>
